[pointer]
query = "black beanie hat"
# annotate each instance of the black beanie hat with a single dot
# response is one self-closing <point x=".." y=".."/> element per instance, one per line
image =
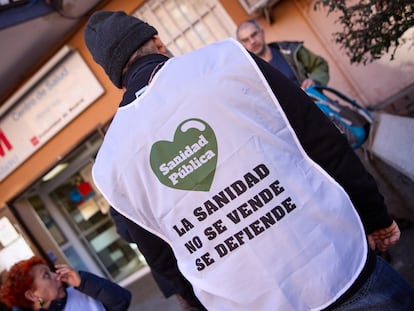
<point x="112" y="37"/>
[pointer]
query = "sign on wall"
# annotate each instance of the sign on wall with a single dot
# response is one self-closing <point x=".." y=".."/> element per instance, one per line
<point x="47" y="107"/>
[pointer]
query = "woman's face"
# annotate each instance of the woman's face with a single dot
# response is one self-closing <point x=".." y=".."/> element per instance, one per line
<point x="46" y="286"/>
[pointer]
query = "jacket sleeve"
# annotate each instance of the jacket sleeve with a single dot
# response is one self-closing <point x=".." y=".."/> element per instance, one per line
<point x="325" y="145"/>
<point x="314" y="66"/>
<point x="110" y="294"/>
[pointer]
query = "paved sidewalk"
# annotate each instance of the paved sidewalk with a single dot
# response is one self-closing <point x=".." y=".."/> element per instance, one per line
<point x="402" y="255"/>
<point x="147" y="297"/>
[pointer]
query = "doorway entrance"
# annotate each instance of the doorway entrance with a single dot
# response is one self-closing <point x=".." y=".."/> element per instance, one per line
<point x="77" y="218"/>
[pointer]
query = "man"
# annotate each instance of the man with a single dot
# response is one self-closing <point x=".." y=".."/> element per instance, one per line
<point x="263" y="202"/>
<point x="296" y="62"/>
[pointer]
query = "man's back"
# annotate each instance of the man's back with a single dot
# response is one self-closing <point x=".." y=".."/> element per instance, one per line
<point x="222" y="195"/>
<point x="243" y="175"/>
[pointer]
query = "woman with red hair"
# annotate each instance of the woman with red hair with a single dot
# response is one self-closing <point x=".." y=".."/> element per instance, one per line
<point x="31" y="285"/>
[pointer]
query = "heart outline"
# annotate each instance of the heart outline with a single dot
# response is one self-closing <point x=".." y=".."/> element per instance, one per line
<point x="189" y="161"/>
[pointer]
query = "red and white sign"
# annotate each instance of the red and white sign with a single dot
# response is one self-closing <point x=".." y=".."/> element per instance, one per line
<point x="45" y="109"/>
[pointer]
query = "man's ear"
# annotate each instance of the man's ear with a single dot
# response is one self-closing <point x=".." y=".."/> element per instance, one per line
<point x="30" y="295"/>
<point x="161" y="46"/>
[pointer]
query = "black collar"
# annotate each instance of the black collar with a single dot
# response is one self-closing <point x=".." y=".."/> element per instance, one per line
<point x="139" y="75"/>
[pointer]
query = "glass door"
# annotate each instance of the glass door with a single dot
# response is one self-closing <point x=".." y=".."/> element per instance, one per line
<point x="77" y="216"/>
<point x="85" y="210"/>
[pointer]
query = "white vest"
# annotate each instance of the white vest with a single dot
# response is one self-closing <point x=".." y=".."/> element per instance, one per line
<point x="77" y="301"/>
<point x="207" y="160"/>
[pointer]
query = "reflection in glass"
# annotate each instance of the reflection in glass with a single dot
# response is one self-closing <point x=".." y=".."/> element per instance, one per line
<point x="87" y="213"/>
<point x="47" y="220"/>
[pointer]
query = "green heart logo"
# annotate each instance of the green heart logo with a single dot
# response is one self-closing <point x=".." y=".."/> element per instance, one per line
<point x="189" y="162"/>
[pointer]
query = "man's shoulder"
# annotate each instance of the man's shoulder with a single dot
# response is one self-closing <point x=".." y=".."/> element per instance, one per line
<point x="285" y="45"/>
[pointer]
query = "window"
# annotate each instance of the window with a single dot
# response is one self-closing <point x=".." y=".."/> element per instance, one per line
<point x="252" y="6"/>
<point x="185" y="25"/>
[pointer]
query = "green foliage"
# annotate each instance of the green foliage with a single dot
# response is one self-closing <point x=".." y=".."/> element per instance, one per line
<point x="371" y="28"/>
